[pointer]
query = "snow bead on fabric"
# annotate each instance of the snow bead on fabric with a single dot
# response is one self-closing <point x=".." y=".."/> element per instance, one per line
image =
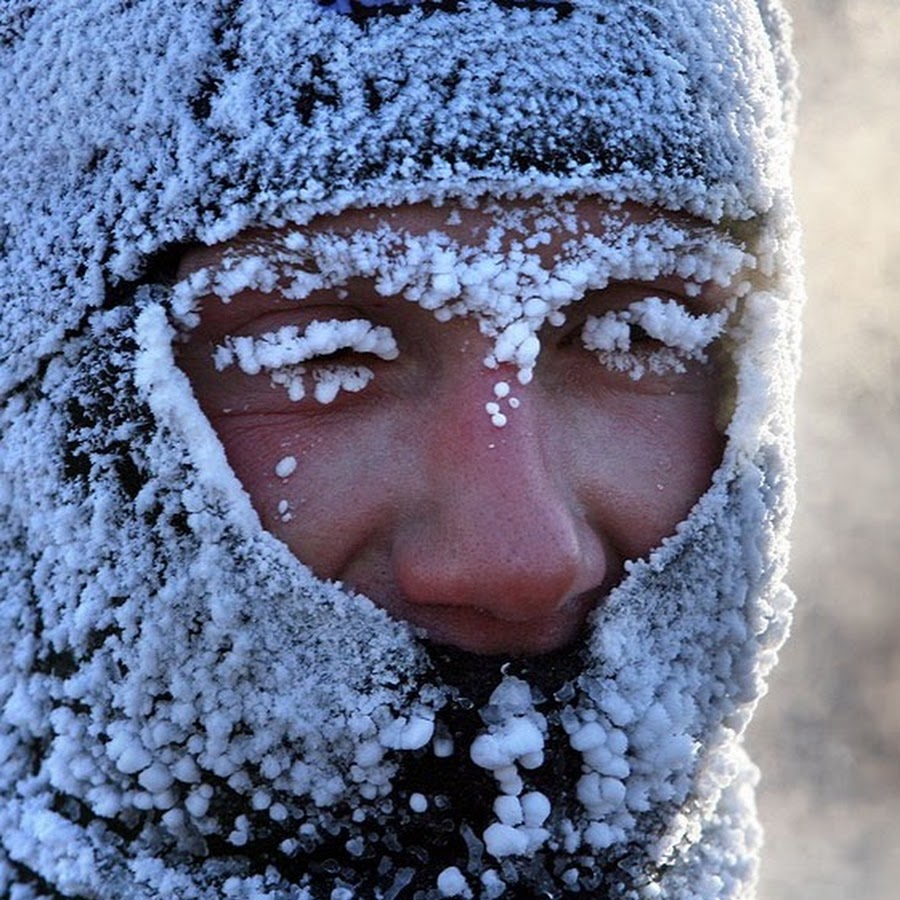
<point x="185" y="710"/>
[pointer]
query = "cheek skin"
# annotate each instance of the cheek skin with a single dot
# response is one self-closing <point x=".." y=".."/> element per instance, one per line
<point x="341" y="498"/>
<point x="642" y="470"/>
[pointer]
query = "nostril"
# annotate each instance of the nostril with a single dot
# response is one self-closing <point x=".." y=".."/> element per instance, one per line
<point x="515" y="574"/>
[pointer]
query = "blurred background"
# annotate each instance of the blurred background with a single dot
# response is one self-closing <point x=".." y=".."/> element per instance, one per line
<point x="828" y="736"/>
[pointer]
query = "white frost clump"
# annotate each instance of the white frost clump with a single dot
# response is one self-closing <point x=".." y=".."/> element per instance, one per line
<point x="285" y="467"/>
<point x="518" y="830"/>
<point x="280" y="352"/>
<point x="516" y="739"/>
<point x="452" y="883"/>
<point x="331" y="380"/>
<point x="685" y="336"/>
<point x="636" y="753"/>
<point x="493" y="407"/>
<point x="407" y="733"/>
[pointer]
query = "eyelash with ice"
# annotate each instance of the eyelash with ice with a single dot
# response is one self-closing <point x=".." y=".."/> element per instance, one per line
<point x="684" y="336"/>
<point x="282" y="352"/>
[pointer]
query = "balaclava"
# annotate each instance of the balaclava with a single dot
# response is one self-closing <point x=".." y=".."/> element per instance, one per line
<point x="187" y="712"/>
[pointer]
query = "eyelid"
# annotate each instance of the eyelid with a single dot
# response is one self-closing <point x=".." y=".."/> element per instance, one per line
<point x="251" y="313"/>
<point x="623" y="293"/>
<point x="668" y="321"/>
<point x="676" y="334"/>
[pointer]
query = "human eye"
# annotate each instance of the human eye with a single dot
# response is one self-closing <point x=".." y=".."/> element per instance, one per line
<point x="652" y="335"/>
<point x="318" y="359"/>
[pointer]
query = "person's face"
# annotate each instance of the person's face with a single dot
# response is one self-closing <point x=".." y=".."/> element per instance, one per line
<point x="496" y="537"/>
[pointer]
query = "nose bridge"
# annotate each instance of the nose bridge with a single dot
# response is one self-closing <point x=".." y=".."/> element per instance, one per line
<point x="492" y="449"/>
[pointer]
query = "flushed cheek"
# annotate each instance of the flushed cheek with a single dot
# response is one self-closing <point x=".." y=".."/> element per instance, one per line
<point x="639" y="470"/>
<point x="328" y="491"/>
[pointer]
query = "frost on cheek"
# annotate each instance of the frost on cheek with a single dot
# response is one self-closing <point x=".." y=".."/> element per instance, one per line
<point x="684" y="336"/>
<point x="286" y="467"/>
<point x="281" y="352"/>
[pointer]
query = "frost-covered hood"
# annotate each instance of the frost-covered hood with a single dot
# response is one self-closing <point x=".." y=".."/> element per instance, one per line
<point x="186" y="711"/>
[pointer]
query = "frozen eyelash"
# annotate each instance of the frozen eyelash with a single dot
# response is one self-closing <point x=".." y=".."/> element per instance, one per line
<point x="288" y="346"/>
<point x="282" y="352"/>
<point x="685" y="336"/>
<point x="328" y="381"/>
